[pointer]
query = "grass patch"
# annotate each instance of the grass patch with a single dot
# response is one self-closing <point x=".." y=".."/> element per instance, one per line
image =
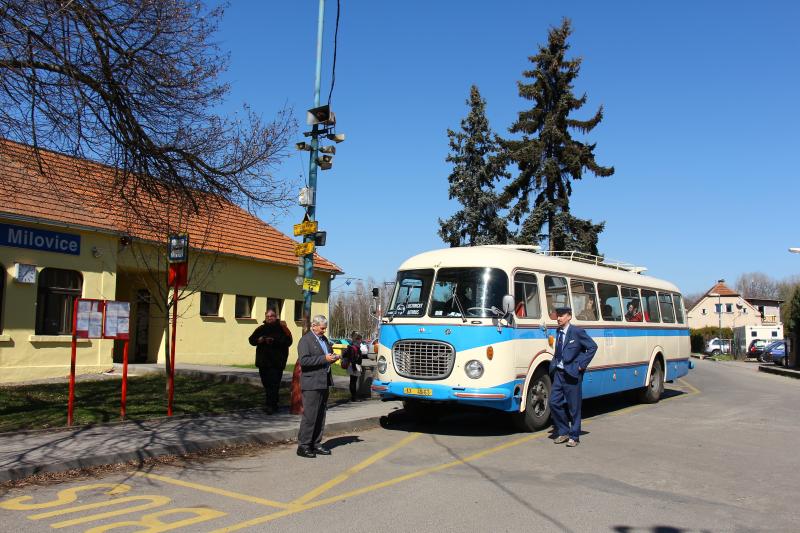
<point x="722" y="357"/>
<point x="97" y="402"/>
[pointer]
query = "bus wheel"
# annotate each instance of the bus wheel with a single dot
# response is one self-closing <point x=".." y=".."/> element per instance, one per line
<point x="537" y="407"/>
<point x="655" y="385"/>
<point x="421" y="411"/>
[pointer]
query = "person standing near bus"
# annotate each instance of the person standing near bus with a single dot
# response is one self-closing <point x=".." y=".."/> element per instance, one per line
<point x="315" y="356"/>
<point x="272" y="340"/>
<point x="573" y="352"/>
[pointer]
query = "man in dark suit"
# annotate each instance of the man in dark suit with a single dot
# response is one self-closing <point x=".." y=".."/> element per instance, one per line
<point x="574" y="351"/>
<point x="315" y="355"/>
<point x="272" y="340"/>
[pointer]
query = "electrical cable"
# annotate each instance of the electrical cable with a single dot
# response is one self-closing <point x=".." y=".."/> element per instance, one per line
<point x="335" y="44"/>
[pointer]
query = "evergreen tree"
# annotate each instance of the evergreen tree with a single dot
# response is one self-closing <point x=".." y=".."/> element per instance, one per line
<point x="547" y="156"/>
<point x="473" y="153"/>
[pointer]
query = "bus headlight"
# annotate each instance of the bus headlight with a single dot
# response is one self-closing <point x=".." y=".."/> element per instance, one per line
<point x="381" y="365"/>
<point x="474" y="369"/>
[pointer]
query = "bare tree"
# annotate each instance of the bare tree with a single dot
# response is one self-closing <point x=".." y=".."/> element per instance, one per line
<point x="134" y="84"/>
<point x="353" y="311"/>
<point x="690" y="300"/>
<point x="756" y="285"/>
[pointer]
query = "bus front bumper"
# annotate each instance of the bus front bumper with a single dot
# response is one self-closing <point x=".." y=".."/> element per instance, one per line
<point x="501" y="397"/>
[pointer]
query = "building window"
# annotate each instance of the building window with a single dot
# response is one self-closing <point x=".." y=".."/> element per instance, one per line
<point x="298" y="310"/>
<point x="244" y="306"/>
<point x="276" y="304"/>
<point x="718" y="308"/>
<point x="703" y="311"/>
<point x="744" y="310"/>
<point x="55" y="300"/>
<point x="753" y="334"/>
<point x="729" y="308"/>
<point x="209" y="303"/>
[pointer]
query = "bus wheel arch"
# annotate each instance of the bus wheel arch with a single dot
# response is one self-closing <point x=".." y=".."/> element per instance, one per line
<point x="534" y="413"/>
<point x="654" y="382"/>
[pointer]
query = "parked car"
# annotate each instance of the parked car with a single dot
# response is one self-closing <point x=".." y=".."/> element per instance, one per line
<point x="775" y="352"/>
<point x="756" y="348"/>
<point x="717" y="346"/>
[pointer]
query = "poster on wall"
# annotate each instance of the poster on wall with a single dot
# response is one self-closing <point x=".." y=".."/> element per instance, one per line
<point x="116" y="323"/>
<point x="89" y="322"/>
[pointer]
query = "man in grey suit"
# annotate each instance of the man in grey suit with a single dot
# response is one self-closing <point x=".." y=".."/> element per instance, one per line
<point x="315" y="356"/>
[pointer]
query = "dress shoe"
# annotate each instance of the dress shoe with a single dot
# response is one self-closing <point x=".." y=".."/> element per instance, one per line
<point x="305" y="451"/>
<point x="321" y="450"/>
<point x="571" y="443"/>
<point x="561" y="439"/>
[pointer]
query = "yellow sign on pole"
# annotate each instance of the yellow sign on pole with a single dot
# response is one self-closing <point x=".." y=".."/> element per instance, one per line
<point x="306" y="227"/>
<point x="311" y="285"/>
<point x="304" y="248"/>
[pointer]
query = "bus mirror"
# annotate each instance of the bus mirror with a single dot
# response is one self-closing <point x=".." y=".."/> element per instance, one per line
<point x="508" y="304"/>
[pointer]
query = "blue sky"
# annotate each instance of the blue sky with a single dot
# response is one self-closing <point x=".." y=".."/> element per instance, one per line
<point x="701" y="120"/>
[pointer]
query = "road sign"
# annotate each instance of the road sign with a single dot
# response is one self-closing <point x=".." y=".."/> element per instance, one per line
<point x="306" y="228"/>
<point x="311" y="285"/>
<point x="304" y="248"/>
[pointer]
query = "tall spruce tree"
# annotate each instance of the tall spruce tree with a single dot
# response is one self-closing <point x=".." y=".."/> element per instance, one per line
<point x="476" y="167"/>
<point x="547" y="157"/>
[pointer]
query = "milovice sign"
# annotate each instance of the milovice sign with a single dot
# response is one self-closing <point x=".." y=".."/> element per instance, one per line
<point x="36" y="239"/>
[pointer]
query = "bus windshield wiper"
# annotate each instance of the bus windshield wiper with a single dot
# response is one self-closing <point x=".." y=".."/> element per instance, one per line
<point x="458" y="303"/>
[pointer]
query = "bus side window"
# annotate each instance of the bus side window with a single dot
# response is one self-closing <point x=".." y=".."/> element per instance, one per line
<point x="584" y="301"/>
<point x="678" y="307"/>
<point x="632" y="304"/>
<point x="526" y="296"/>
<point x="650" y="306"/>
<point x="665" y="303"/>
<point x="609" y="298"/>
<point x="555" y="290"/>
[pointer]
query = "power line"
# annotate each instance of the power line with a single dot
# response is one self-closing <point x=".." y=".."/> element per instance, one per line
<point x="335" y="45"/>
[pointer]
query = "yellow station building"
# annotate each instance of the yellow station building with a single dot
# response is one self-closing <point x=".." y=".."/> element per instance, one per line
<point x="65" y="235"/>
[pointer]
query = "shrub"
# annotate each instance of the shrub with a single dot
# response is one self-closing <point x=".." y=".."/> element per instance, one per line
<point x="700" y="336"/>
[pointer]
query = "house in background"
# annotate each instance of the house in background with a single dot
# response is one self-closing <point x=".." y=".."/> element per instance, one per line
<point x="769" y="308"/>
<point x="69" y="235"/>
<point x="721" y="305"/>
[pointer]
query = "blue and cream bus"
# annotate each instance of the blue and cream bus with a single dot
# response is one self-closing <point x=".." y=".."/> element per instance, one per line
<point x="476" y="325"/>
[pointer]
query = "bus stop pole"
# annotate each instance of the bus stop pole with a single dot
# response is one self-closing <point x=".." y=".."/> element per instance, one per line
<point x="171" y="392"/>
<point x="73" y="356"/>
<point x="124" y="380"/>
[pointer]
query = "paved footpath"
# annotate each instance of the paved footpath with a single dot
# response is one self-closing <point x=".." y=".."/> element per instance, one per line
<point x="30" y="452"/>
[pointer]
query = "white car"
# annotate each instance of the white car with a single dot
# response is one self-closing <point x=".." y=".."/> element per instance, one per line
<point x="717" y="346"/>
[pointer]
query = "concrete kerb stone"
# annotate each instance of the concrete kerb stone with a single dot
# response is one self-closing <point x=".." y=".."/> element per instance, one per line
<point x="780" y="371"/>
<point x="266" y="437"/>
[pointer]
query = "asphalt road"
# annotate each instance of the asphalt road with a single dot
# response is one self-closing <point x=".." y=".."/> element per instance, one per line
<point x="719" y="453"/>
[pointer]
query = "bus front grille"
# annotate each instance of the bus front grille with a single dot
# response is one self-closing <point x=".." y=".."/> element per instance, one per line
<point x="423" y="359"/>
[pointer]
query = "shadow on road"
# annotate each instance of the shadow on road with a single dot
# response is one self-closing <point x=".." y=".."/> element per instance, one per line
<point x="457" y="420"/>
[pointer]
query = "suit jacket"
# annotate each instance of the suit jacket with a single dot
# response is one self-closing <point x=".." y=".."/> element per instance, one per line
<point x="577" y="352"/>
<point x="316" y="370"/>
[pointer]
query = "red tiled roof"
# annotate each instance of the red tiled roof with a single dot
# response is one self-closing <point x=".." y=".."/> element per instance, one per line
<point x="78" y="192"/>
<point x="721" y="289"/>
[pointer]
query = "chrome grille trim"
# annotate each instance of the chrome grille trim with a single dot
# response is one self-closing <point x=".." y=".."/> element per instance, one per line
<point x="423" y="359"/>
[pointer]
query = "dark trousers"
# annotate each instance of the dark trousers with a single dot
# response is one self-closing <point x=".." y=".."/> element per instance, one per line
<point x="315" y="405"/>
<point x="565" y="404"/>
<point x="271" y="379"/>
<point x="353" y="387"/>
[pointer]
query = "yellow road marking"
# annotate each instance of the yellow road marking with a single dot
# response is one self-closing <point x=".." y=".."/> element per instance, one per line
<point x="380" y="485"/>
<point x="694" y="389"/>
<point x="214" y="490"/>
<point x="344" y="476"/>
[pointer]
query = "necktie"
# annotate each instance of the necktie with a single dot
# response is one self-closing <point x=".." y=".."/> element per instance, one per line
<point x="560" y="341"/>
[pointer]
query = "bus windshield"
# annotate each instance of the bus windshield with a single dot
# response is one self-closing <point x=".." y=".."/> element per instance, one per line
<point x="411" y="294"/>
<point x="468" y="292"/>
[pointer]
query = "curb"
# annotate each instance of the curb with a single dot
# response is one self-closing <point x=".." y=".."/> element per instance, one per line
<point x="779" y="371"/>
<point x="266" y="437"/>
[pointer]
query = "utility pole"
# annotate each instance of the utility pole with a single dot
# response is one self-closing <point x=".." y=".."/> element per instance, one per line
<point x="311" y="210"/>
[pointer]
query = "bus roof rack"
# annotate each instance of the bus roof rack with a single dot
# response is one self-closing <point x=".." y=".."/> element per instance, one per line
<point x="582" y="257"/>
<point x="526" y="247"/>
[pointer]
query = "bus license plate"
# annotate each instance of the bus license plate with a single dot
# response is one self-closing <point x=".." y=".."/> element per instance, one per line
<point x="418" y="392"/>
